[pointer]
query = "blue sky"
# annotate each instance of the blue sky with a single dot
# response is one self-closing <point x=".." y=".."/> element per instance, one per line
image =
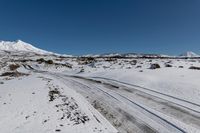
<point x="103" y="26"/>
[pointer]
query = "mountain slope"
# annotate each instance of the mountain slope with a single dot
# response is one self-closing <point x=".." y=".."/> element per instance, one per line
<point x="19" y="45"/>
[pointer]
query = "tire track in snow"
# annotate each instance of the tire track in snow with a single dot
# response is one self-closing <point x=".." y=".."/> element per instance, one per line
<point x="156" y="117"/>
<point x="146" y="127"/>
<point x="179" y="99"/>
<point x="178" y="112"/>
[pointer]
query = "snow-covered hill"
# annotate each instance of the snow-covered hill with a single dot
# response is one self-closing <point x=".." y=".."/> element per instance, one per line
<point x="189" y="54"/>
<point x="20" y="46"/>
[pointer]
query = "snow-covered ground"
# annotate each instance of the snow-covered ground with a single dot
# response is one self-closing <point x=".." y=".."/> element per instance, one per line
<point x="53" y="93"/>
<point x="39" y="103"/>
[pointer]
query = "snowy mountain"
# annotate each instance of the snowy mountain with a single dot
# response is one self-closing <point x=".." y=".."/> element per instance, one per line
<point x="21" y="46"/>
<point x="189" y="54"/>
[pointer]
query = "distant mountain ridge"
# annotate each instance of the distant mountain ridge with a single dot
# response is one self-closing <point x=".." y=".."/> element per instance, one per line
<point x="189" y="54"/>
<point x="21" y="46"/>
<point x="127" y="55"/>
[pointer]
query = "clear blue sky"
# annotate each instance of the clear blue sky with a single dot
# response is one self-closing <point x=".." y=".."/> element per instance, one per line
<point x="102" y="26"/>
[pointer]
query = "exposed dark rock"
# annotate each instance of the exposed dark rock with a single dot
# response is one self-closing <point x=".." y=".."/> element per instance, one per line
<point x="194" y="68"/>
<point x="154" y="66"/>
<point x="14" y="74"/>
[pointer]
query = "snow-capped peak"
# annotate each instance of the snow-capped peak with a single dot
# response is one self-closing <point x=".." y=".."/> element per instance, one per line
<point x="190" y="54"/>
<point x="20" y="46"/>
